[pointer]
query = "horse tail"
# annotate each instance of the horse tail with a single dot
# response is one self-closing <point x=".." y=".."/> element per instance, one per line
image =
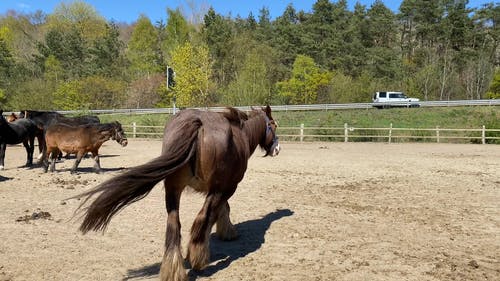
<point x="135" y="184"/>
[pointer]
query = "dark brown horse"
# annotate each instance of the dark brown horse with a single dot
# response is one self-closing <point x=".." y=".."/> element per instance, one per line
<point x="18" y="131"/>
<point x="205" y="150"/>
<point x="80" y="139"/>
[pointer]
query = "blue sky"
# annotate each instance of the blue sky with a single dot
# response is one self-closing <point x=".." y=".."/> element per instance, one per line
<point x="129" y="10"/>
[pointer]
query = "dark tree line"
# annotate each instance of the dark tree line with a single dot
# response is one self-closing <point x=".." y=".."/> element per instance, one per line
<point x="75" y="59"/>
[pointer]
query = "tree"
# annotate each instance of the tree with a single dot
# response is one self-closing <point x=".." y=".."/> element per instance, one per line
<point x="106" y="54"/>
<point x="252" y="85"/>
<point x="6" y="64"/>
<point x="146" y="92"/>
<point x="92" y="92"/>
<point x="79" y="15"/>
<point x="306" y="83"/>
<point x="218" y="35"/>
<point x="142" y="49"/>
<point x="68" y="48"/>
<point x="287" y="38"/>
<point x="494" y="90"/>
<point x="177" y="30"/>
<point x="193" y="75"/>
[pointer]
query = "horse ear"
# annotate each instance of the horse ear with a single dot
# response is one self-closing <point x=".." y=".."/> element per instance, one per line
<point x="268" y="110"/>
<point x="1" y="111"/>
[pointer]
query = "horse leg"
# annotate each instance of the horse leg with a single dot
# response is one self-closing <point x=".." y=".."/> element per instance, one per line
<point x="31" y="150"/>
<point x="45" y="160"/>
<point x="28" y="145"/>
<point x="53" y="159"/>
<point x="224" y="228"/>
<point x="79" y="156"/>
<point x="3" y="147"/>
<point x="97" y="165"/>
<point x="198" y="251"/>
<point x="172" y="265"/>
<point x="41" y="144"/>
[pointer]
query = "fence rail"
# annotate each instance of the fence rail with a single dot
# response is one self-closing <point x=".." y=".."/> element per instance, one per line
<point x="348" y="133"/>
<point x="306" y="107"/>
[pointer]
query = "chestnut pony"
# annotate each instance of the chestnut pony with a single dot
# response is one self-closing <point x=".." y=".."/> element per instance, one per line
<point x="207" y="151"/>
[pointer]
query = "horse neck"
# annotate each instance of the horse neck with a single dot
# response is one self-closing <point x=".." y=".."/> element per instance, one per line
<point x="105" y="131"/>
<point x="255" y="129"/>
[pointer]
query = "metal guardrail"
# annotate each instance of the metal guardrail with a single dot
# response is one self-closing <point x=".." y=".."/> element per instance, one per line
<point x="326" y="107"/>
<point x="304" y="107"/>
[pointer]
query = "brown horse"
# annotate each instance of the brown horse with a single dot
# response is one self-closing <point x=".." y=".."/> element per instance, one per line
<point x="79" y="139"/>
<point x="205" y="150"/>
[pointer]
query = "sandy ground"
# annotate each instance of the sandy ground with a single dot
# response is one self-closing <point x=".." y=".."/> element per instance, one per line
<point x="318" y="211"/>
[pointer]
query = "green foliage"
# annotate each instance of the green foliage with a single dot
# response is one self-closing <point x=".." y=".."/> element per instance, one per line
<point x="218" y="35"/>
<point x="6" y="63"/>
<point x="106" y="53"/>
<point x="2" y="98"/>
<point x="494" y="90"/>
<point x="193" y="72"/>
<point x="252" y="85"/>
<point x="176" y="31"/>
<point x="434" y="50"/>
<point x="78" y="15"/>
<point x="142" y="49"/>
<point x="32" y="94"/>
<point x="92" y="92"/>
<point x="305" y="84"/>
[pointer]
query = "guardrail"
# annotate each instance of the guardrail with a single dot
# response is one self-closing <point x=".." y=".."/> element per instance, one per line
<point x="348" y="133"/>
<point x="308" y="107"/>
<point x="304" y="107"/>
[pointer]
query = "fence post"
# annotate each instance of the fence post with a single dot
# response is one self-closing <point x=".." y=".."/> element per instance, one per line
<point x="483" y="134"/>
<point x="346" y="133"/>
<point x="302" y="132"/>
<point x="134" y="130"/>
<point x="390" y="133"/>
<point x="437" y="134"/>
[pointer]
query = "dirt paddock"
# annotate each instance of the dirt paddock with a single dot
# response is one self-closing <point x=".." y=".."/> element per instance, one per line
<point x="318" y="211"/>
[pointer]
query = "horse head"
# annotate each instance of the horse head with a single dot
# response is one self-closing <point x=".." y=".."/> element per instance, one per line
<point x="270" y="142"/>
<point x="12" y="117"/>
<point x="119" y="134"/>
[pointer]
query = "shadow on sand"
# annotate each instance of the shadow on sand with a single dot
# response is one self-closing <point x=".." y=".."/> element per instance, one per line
<point x="2" y="178"/>
<point x="252" y="236"/>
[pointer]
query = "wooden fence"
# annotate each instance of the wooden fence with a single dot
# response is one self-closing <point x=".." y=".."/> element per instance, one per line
<point x="354" y="134"/>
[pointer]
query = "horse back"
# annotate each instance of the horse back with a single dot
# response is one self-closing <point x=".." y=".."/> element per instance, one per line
<point x="18" y="131"/>
<point x="72" y="138"/>
<point x="220" y="156"/>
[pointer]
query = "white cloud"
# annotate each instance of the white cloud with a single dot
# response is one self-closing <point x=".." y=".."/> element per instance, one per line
<point x="23" y="6"/>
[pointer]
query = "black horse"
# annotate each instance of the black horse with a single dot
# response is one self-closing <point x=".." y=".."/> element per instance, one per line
<point x="18" y="131"/>
<point x="44" y="119"/>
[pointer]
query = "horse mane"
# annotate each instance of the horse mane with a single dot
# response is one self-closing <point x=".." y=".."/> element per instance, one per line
<point x="235" y="116"/>
<point x="254" y="127"/>
<point x="102" y="127"/>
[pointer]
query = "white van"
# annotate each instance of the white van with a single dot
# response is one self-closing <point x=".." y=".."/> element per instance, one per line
<point x="393" y="99"/>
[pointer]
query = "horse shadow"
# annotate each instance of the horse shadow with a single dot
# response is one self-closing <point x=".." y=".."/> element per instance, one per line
<point x="223" y="253"/>
<point x="2" y="178"/>
<point x="88" y="156"/>
<point x="86" y="170"/>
